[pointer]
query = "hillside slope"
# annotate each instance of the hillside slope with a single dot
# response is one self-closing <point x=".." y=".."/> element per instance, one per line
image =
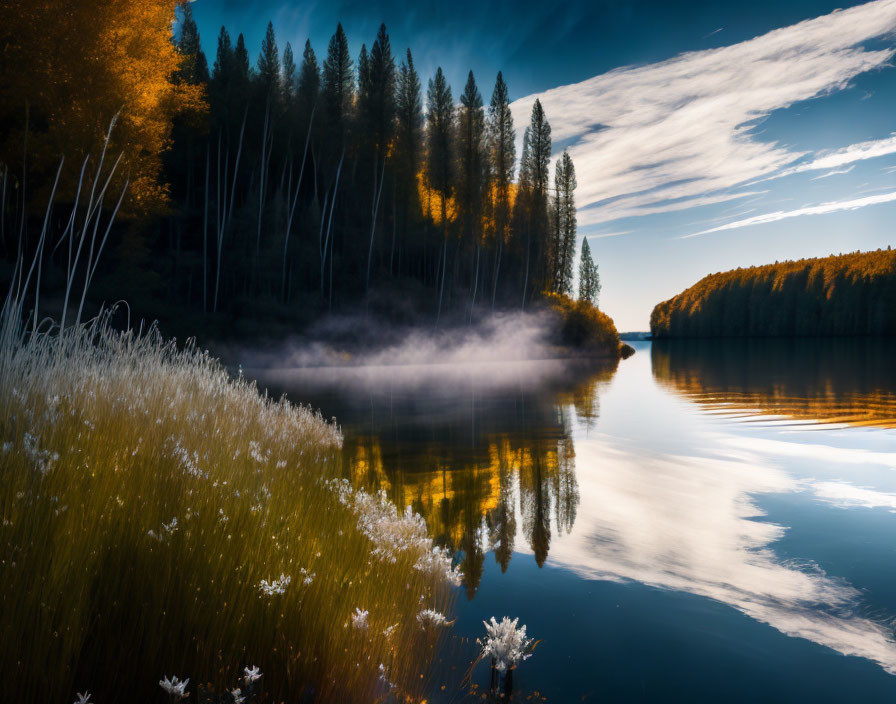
<point x="847" y="294"/>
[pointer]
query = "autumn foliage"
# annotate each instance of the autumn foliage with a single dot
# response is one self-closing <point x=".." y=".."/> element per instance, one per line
<point x="67" y="67"/>
<point x="585" y="328"/>
<point x="847" y="294"/>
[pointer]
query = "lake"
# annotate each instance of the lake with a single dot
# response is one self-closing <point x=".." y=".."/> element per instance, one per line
<point x="707" y="521"/>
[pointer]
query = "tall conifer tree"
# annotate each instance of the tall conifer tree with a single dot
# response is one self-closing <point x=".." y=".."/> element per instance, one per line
<point x="440" y="155"/>
<point x="308" y="82"/>
<point x="538" y="231"/>
<point x="472" y="168"/>
<point x="502" y="157"/>
<point x="268" y="66"/>
<point x="409" y="122"/>
<point x="564" y="223"/>
<point x="337" y="84"/>
<point x="381" y="100"/>
<point x="589" y="279"/>
<point x="289" y="74"/>
<point x="194" y="66"/>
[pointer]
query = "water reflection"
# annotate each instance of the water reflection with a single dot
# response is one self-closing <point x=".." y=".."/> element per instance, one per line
<point x="694" y="524"/>
<point x="845" y="381"/>
<point x="622" y="482"/>
<point x="484" y="453"/>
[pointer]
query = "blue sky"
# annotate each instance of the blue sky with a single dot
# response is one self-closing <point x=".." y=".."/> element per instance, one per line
<point x="706" y="135"/>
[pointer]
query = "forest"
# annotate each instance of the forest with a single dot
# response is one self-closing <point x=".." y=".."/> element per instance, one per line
<point x="250" y="193"/>
<point x="845" y="294"/>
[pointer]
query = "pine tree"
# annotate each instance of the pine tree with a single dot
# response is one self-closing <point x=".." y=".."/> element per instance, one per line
<point x="564" y="223"/>
<point x="538" y="231"/>
<point x="472" y="167"/>
<point x="194" y="66"/>
<point x="221" y="86"/>
<point x="309" y="82"/>
<point x="502" y="157"/>
<point x="224" y="57"/>
<point x="337" y="84"/>
<point x="589" y="279"/>
<point x="471" y="157"/>
<point x="539" y="149"/>
<point x="409" y="111"/>
<point x="268" y="67"/>
<point x="381" y="98"/>
<point x="363" y="76"/>
<point x="289" y="74"/>
<point x="440" y="143"/>
<point x="241" y="63"/>
<point x="522" y="221"/>
<point x="378" y="120"/>
<point x="440" y="151"/>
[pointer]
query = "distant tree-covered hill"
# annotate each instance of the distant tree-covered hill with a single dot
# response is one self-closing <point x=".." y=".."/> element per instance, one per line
<point x="847" y="294"/>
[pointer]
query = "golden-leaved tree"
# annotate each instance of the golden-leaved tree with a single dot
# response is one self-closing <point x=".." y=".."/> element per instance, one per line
<point x="66" y="68"/>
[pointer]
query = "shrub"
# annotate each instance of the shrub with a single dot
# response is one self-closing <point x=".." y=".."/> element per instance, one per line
<point x="584" y="328"/>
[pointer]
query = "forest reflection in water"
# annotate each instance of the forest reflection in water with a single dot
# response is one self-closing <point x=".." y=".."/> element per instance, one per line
<point x="848" y="381"/>
<point x="484" y="453"/>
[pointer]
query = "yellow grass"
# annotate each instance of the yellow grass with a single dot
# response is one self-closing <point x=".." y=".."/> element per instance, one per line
<point x="106" y="439"/>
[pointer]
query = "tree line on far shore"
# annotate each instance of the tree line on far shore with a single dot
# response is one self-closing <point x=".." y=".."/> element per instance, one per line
<point x="289" y="185"/>
<point x="846" y="294"/>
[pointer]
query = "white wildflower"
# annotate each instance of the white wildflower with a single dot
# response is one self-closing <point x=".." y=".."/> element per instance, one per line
<point x="428" y="618"/>
<point x="275" y="586"/>
<point x="256" y="454"/>
<point x="384" y="678"/>
<point x="359" y="619"/>
<point x="437" y="562"/>
<point x="394" y="534"/>
<point x="174" y="687"/>
<point x="390" y="630"/>
<point x="250" y="674"/>
<point x="43" y="460"/>
<point x="506" y="644"/>
<point x="238" y="696"/>
<point x="83" y="698"/>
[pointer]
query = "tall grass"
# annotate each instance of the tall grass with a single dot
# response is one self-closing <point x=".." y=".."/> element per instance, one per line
<point x="145" y="495"/>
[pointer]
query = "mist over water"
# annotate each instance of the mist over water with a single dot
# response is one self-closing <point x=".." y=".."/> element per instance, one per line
<point x="712" y="498"/>
<point x="359" y="352"/>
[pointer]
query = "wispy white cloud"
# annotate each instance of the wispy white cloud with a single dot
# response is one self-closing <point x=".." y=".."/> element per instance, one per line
<point x="602" y="235"/>
<point x="849" y="496"/>
<point x="853" y="153"/>
<point x="679" y="133"/>
<point x="822" y="209"/>
<point x="627" y="207"/>
<point x="835" y="172"/>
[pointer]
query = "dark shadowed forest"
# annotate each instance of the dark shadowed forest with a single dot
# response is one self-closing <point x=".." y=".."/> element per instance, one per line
<point x="258" y="188"/>
<point x="847" y="294"/>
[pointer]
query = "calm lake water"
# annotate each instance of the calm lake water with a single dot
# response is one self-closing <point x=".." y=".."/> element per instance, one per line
<point x="705" y="522"/>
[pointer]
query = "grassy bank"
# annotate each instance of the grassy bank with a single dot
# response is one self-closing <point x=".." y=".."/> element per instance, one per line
<point x="159" y="518"/>
<point x="848" y="294"/>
